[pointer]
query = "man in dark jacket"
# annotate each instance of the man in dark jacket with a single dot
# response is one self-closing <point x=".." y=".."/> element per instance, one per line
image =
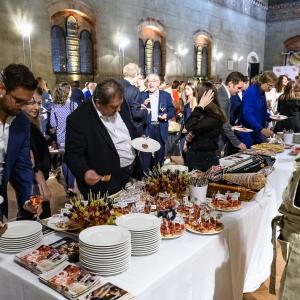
<point x="132" y="96"/>
<point x="77" y="95"/>
<point x="101" y="146"/>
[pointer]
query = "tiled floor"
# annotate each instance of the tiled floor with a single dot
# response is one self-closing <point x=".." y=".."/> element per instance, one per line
<point x="59" y="199"/>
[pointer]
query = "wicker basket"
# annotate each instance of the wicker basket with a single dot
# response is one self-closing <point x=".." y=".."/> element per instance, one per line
<point x="245" y="194"/>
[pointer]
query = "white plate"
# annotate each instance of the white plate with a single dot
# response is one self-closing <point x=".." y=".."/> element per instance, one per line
<point x="107" y="273"/>
<point x="106" y="250"/>
<point x="144" y="253"/>
<point x="173" y="168"/>
<point x="51" y="223"/>
<point x="111" y="255"/>
<point x="150" y="232"/>
<point x="21" y="229"/>
<point x="278" y="117"/>
<point x="241" y="129"/>
<point x="138" y="222"/>
<point x="15" y="245"/>
<point x="21" y="242"/>
<point x="100" y="265"/>
<point x="19" y="249"/>
<point x="93" y="260"/>
<point x="105" y="270"/>
<point x="104" y="235"/>
<point x="138" y="144"/>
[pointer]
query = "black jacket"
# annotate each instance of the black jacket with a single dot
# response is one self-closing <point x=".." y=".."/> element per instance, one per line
<point x="89" y="146"/>
<point x="77" y="96"/>
<point x="206" y="128"/>
<point x="39" y="148"/>
<point x="291" y="109"/>
<point x="132" y="96"/>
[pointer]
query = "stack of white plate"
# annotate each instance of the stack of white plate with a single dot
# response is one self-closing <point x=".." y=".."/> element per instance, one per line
<point x="20" y="235"/>
<point x="105" y="250"/>
<point x="145" y="232"/>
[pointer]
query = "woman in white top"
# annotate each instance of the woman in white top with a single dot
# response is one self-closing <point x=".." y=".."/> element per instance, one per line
<point x="273" y="95"/>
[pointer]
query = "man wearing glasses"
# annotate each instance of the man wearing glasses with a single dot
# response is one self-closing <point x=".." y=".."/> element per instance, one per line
<point x="17" y="85"/>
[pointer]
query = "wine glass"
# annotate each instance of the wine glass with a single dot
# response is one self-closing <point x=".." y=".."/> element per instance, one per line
<point x="161" y="108"/>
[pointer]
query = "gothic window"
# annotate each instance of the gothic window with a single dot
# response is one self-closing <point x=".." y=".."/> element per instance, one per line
<point x="142" y="55"/>
<point x="149" y="57"/>
<point x="58" y="49"/>
<point x="86" y="53"/>
<point x="204" y="63"/>
<point x="198" y="60"/>
<point x="157" y="58"/>
<point x="72" y="46"/>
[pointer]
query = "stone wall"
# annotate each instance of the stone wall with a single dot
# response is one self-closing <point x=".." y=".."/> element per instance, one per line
<point x="231" y="31"/>
<point x="283" y="22"/>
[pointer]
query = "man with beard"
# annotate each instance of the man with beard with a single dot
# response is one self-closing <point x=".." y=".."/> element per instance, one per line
<point x="17" y="85"/>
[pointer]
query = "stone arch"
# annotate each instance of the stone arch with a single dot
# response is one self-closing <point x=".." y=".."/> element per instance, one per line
<point x="77" y="6"/>
<point x="75" y="17"/>
<point x="292" y="49"/>
<point x="202" y="54"/>
<point x="152" y="32"/>
<point x="252" y="58"/>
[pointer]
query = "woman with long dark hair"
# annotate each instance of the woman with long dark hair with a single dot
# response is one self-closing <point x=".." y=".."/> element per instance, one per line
<point x="206" y="123"/>
<point x="278" y="89"/>
<point x="289" y="105"/>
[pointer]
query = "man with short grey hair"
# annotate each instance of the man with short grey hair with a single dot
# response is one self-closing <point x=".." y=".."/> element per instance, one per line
<point x="161" y="110"/>
<point x="132" y="96"/>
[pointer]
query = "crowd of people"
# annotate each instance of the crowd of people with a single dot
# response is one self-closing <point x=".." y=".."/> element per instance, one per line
<point x="93" y="128"/>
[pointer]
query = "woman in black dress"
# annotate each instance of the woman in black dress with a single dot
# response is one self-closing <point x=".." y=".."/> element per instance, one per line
<point x="39" y="154"/>
<point x="206" y="123"/>
<point x="289" y="105"/>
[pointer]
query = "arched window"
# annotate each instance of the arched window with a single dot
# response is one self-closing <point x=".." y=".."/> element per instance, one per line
<point x="58" y="49"/>
<point x="152" y="47"/>
<point x="149" y="57"/>
<point x="202" y="54"/>
<point x="142" y="55"/>
<point x="86" y="53"/>
<point x="198" y="60"/>
<point x="72" y="46"/>
<point x="204" y="65"/>
<point x="157" y="58"/>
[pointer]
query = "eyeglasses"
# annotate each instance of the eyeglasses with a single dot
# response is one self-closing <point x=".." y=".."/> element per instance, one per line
<point x="23" y="102"/>
<point x="270" y="85"/>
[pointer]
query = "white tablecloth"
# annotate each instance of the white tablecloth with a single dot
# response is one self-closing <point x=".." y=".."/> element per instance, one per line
<point x="218" y="267"/>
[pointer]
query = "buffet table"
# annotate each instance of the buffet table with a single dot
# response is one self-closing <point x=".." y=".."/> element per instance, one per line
<point x="192" y="267"/>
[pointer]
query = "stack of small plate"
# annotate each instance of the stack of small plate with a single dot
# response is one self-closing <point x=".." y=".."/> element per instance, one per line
<point x="105" y="250"/>
<point x="145" y="232"/>
<point x="20" y="235"/>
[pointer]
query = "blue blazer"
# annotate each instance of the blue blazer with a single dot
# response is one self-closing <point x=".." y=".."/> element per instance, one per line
<point x="18" y="168"/>
<point x="165" y="100"/>
<point x="235" y="109"/>
<point x="254" y="115"/>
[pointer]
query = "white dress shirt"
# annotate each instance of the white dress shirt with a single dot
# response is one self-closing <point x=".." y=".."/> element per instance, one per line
<point x="120" y="136"/>
<point x="4" y="135"/>
<point x="154" y="99"/>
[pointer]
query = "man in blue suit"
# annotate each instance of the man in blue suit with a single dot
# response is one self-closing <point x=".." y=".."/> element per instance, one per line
<point x="255" y="113"/>
<point x="161" y="109"/>
<point x="17" y="86"/>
